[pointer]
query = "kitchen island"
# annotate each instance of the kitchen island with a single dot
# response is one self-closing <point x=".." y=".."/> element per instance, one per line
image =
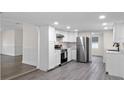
<point x="114" y="63"/>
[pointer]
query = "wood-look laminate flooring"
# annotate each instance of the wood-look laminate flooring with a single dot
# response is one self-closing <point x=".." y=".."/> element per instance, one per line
<point x="12" y="66"/>
<point x="73" y="70"/>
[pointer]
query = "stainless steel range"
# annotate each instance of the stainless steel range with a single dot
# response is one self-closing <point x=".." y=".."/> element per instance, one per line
<point x="64" y="56"/>
<point x="64" y="53"/>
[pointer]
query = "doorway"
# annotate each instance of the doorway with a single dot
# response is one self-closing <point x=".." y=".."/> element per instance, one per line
<point x="97" y="44"/>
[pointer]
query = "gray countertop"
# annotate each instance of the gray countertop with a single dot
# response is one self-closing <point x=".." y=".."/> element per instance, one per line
<point x="115" y="52"/>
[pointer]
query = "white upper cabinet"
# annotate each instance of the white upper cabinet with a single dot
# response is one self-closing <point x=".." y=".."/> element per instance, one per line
<point x="118" y="32"/>
<point x="52" y="34"/>
<point x="68" y="36"/>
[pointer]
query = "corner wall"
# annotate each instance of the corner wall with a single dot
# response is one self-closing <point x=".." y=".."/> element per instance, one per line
<point x="19" y="40"/>
<point x="12" y="41"/>
<point x="100" y="50"/>
<point x="30" y="44"/>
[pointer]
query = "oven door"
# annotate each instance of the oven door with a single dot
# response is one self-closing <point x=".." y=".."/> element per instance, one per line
<point x="64" y="56"/>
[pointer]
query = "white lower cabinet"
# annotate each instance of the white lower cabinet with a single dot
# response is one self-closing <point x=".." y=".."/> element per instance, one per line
<point x="73" y="54"/>
<point x="57" y="57"/>
<point x="69" y="55"/>
<point x="115" y="64"/>
<point x="51" y="52"/>
<point x="54" y="56"/>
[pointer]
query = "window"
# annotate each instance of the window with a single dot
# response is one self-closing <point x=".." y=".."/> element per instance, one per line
<point x="94" y="42"/>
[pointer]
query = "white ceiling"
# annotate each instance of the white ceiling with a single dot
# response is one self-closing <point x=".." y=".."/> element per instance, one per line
<point x="84" y="21"/>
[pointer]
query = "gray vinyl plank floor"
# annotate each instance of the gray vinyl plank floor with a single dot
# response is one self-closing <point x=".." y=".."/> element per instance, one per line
<point x="73" y="70"/>
<point x="12" y="66"/>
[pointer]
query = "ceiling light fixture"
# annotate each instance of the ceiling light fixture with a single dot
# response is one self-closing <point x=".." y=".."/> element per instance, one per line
<point x="76" y="30"/>
<point x="68" y="27"/>
<point x="102" y="17"/>
<point x="104" y="24"/>
<point x="56" y="23"/>
<point x="106" y="28"/>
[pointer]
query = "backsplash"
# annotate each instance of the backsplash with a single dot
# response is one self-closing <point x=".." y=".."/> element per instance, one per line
<point x="59" y="41"/>
<point x="69" y="45"/>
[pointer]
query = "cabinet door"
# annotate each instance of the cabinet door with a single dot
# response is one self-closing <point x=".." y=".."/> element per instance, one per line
<point x="52" y="34"/>
<point x="73" y="54"/>
<point x="58" y="57"/>
<point x="51" y="55"/>
<point x="113" y="66"/>
<point x="121" y="65"/>
<point x="69" y="54"/>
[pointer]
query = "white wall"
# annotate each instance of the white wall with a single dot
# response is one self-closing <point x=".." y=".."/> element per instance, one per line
<point x="12" y="41"/>
<point x="19" y="40"/>
<point x="43" y="40"/>
<point x="108" y="40"/>
<point x="8" y="44"/>
<point x="30" y="44"/>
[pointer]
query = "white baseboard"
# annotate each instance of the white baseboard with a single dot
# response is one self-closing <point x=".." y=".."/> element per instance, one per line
<point x="25" y="62"/>
<point x="9" y="54"/>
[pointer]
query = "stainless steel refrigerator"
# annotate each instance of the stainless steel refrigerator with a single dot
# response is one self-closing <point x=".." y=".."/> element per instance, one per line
<point x="82" y="45"/>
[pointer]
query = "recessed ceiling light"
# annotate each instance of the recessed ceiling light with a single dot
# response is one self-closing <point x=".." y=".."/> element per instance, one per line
<point x="102" y="17"/>
<point x="76" y="30"/>
<point x="68" y="27"/>
<point x="106" y="28"/>
<point x="104" y="24"/>
<point x="56" y="23"/>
